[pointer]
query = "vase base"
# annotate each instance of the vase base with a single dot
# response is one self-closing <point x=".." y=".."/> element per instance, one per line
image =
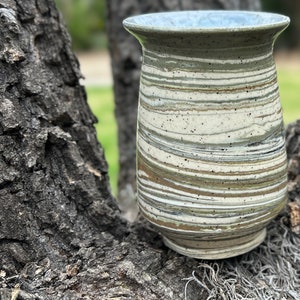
<point x="220" y="251"/>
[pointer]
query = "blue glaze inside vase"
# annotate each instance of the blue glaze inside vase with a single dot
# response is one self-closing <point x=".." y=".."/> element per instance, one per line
<point x="206" y="21"/>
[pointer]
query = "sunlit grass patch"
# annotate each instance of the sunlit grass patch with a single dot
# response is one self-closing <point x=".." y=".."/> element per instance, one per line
<point x="101" y="102"/>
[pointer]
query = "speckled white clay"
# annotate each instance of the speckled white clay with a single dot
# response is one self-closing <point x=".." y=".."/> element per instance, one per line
<point x="210" y="149"/>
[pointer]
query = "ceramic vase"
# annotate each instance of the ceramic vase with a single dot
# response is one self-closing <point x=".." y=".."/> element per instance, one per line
<point x="211" y="159"/>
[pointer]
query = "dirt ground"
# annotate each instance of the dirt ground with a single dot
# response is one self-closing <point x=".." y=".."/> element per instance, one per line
<point x="288" y="60"/>
<point x="95" y="65"/>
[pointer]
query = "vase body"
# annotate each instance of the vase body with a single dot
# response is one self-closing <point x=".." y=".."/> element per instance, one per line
<point x="211" y="160"/>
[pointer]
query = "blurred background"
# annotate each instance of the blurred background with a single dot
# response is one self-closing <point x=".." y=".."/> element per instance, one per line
<point x="86" y="22"/>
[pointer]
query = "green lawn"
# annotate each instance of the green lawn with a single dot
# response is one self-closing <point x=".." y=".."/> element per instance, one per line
<point x="101" y="102"/>
<point x="289" y="89"/>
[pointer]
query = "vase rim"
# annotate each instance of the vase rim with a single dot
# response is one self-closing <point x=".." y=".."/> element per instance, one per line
<point x="202" y="21"/>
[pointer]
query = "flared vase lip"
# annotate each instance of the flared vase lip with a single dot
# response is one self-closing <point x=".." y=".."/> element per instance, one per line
<point x="205" y="21"/>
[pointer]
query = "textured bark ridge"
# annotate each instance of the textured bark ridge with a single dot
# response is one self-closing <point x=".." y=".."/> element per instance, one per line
<point x="126" y="62"/>
<point x="293" y="150"/>
<point x="60" y="233"/>
<point x="53" y="173"/>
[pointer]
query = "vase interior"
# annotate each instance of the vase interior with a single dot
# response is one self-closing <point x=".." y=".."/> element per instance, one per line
<point x="206" y="20"/>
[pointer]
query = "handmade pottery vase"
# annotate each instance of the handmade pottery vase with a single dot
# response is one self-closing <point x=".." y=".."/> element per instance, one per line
<point x="211" y="160"/>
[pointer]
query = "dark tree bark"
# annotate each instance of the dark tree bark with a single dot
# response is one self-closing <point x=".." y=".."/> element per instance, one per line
<point x="126" y="61"/>
<point x="61" y="236"/>
<point x="54" y="189"/>
<point x="292" y="9"/>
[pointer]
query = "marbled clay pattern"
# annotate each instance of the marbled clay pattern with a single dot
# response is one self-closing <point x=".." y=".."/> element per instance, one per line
<point x="210" y="147"/>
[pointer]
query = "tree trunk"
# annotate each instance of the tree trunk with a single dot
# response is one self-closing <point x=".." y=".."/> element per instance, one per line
<point x="126" y="62"/>
<point x="61" y="236"/>
<point x="292" y="9"/>
<point x="54" y="189"/>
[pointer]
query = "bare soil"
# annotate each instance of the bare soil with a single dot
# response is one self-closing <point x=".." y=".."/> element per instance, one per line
<point x="288" y="59"/>
<point x="96" y="68"/>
